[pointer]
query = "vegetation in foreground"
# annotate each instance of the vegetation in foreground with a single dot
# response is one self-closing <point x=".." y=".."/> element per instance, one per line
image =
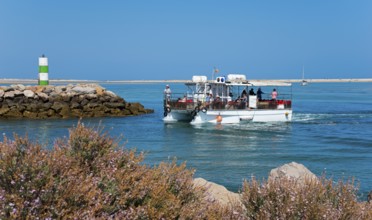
<point x="88" y="176"/>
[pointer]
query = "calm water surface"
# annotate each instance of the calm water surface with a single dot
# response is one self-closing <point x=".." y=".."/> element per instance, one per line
<point x="331" y="132"/>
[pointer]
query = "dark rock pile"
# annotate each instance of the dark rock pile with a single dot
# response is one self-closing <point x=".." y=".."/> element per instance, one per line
<point x="82" y="100"/>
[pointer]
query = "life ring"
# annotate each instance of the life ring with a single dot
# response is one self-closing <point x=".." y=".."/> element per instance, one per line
<point x="204" y="109"/>
<point x="168" y="110"/>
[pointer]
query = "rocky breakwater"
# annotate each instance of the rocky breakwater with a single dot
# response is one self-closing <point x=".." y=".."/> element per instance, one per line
<point x="81" y="100"/>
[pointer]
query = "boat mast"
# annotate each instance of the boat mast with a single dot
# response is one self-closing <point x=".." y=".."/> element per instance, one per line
<point x="303" y="73"/>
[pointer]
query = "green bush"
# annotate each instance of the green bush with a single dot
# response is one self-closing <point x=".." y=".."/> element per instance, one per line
<point x="88" y="176"/>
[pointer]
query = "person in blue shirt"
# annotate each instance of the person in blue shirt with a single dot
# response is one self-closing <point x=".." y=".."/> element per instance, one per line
<point x="259" y="94"/>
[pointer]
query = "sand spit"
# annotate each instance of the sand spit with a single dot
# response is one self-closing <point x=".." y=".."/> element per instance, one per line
<point x="73" y="81"/>
<point x="359" y="80"/>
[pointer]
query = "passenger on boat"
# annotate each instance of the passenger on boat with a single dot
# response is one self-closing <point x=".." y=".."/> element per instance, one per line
<point x="208" y="100"/>
<point x="217" y="102"/>
<point x="167" y="93"/>
<point x="244" y="93"/>
<point x="274" y="94"/>
<point x="243" y="101"/>
<point x="259" y="94"/>
<point x="209" y="90"/>
<point x="184" y="99"/>
<point x="230" y="105"/>
<point x="251" y="92"/>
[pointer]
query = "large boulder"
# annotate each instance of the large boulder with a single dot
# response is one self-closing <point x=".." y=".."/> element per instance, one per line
<point x="57" y="106"/>
<point x="48" y="89"/>
<point x="293" y="171"/>
<point x="19" y="87"/>
<point x="8" y="89"/>
<point x="84" y="90"/>
<point x="13" y="113"/>
<point x="42" y="95"/>
<point x="217" y="193"/>
<point x="18" y="93"/>
<point x="99" y="90"/>
<point x="109" y="93"/>
<point x="65" y="111"/>
<point x="29" y="93"/>
<point x="74" y="105"/>
<point x="66" y="97"/>
<point x="114" y="105"/>
<point x="91" y="96"/>
<point x="59" y="89"/>
<point x="33" y="107"/>
<point x="9" y="94"/>
<point x="28" y="114"/>
<point x="4" y="110"/>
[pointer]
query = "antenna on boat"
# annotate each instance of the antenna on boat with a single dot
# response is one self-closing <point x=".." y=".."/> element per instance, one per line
<point x="215" y="70"/>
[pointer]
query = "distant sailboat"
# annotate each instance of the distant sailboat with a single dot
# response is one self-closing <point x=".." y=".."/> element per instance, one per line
<point x="304" y="82"/>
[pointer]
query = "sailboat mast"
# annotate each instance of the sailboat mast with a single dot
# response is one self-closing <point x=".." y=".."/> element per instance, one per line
<point x="303" y="72"/>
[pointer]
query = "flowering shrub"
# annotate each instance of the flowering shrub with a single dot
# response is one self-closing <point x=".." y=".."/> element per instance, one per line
<point x="88" y="176"/>
<point x="287" y="199"/>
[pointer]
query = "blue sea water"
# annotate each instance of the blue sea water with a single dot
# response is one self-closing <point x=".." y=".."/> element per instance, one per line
<point x="331" y="133"/>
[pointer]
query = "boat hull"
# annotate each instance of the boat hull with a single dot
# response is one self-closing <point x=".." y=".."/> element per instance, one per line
<point x="231" y="117"/>
<point x="178" y="115"/>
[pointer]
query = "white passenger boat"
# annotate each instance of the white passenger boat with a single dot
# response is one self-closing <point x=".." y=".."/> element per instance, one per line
<point x="229" y="100"/>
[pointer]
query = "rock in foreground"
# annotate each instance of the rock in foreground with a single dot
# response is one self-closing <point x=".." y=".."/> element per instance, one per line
<point x="82" y="100"/>
<point x="293" y="171"/>
<point x="219" y="193"/>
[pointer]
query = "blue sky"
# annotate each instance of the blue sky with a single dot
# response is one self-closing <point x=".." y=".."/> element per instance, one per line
<point x="126" y="40"/>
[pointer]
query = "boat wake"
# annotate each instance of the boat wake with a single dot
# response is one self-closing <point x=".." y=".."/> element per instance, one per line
<point x="363" y="116"/>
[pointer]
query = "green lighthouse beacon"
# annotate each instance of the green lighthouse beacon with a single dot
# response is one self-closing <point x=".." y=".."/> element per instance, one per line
<point x="43" y="70"/>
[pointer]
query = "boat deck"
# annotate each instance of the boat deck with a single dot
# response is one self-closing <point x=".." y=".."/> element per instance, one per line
<point x="228" y="105"/>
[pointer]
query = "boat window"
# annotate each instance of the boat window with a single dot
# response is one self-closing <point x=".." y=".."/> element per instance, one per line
<point x="236" y="91"/>
<point x="200" y="88"/>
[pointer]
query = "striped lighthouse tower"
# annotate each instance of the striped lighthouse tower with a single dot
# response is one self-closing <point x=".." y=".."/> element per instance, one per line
<point x="43" y="70"/>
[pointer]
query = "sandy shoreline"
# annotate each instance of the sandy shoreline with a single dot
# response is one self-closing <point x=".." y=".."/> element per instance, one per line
<point x="64" y="81"/>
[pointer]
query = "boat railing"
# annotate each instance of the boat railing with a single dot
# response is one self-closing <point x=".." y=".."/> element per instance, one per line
<point x="283" y="101"/>
<point x="189" y="102"/>
<point x="179" y="101"/>
<point x="244" y="105"/>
